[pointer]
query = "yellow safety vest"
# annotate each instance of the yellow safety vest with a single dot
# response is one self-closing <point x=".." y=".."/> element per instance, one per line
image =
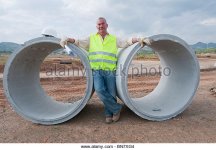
<point x="102" y="54"/>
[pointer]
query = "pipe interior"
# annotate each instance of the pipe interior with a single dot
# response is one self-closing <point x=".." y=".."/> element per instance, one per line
<point x="25" y="89"/>
<point x="175" y="90"/>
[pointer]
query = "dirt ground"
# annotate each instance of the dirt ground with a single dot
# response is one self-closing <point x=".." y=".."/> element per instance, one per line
<point x="196" y="124"/>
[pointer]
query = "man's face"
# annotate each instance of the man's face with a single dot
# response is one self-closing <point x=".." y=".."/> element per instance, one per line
<point x="102" y="25"/>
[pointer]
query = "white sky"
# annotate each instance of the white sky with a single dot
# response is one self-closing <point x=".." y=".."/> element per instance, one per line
<point x="191" y="20"/>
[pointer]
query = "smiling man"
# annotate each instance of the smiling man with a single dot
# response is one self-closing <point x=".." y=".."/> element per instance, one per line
<point x="102" y="48"/>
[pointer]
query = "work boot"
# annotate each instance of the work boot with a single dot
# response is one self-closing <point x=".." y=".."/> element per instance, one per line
<point x="109" y="120"/>
<point x="116" y="117"/>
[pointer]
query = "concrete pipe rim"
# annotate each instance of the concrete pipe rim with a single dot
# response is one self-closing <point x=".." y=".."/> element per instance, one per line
<point x="134" y="106"/>
<point x="64" y="115"/>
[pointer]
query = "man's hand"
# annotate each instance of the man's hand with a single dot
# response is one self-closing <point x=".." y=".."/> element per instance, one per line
<point x="144" y="41"/>
<point x="64" y="41"/>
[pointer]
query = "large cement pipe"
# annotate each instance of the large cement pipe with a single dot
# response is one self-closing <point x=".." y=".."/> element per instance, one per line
<point x="174" y="91"/>
<point x="173" y="94"/>
<point x="22" y="87"/>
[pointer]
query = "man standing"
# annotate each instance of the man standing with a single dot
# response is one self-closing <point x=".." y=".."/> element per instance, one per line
<point x="102" y="48"/>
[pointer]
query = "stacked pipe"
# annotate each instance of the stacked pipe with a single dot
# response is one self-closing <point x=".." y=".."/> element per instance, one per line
<point x="173" y="94"/>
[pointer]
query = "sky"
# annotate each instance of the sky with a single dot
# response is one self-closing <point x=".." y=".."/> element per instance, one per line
<point x="191" y="20"/>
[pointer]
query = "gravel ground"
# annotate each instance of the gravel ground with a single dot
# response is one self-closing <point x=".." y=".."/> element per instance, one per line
<point x="196" y="124"/>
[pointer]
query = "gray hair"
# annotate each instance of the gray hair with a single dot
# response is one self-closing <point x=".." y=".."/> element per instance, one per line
<point x="102" y="19"/>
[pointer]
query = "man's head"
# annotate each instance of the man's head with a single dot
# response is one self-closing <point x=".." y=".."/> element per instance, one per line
<point x="102" y="25"/>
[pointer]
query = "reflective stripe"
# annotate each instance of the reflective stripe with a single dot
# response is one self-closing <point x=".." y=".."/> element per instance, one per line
<point x="103" y="60"/>
<point x="103" y="53"/>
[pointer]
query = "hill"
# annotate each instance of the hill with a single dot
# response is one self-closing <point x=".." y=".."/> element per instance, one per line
<point x="8" y="47"/>
<point x="201" y="45"/>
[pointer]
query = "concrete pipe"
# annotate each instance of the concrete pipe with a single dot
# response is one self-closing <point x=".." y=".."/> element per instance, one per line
<point x="22" y="87"/>
<point x="175" y="91"/>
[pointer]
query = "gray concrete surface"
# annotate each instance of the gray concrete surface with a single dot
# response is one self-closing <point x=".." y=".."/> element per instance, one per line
<point x="175" y="89"/>
<point x="22" y="87"/>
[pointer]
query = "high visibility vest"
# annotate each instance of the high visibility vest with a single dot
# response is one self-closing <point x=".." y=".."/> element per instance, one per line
<point x="102" y="54"/>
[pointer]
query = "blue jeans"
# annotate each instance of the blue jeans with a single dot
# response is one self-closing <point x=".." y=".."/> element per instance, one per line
<point x="105" y="87"/>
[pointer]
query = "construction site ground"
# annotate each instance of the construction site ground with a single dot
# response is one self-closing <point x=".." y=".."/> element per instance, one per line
<point x="197" y="124"/>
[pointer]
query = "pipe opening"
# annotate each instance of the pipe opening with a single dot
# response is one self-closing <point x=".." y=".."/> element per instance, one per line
<point x="176" y="86"/>
<point x="144" y="73"/>
<point x="24" y="90"/>
<point x="63" y="77"/>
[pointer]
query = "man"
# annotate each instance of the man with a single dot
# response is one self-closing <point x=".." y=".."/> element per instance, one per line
<point x="102" y="48"/>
